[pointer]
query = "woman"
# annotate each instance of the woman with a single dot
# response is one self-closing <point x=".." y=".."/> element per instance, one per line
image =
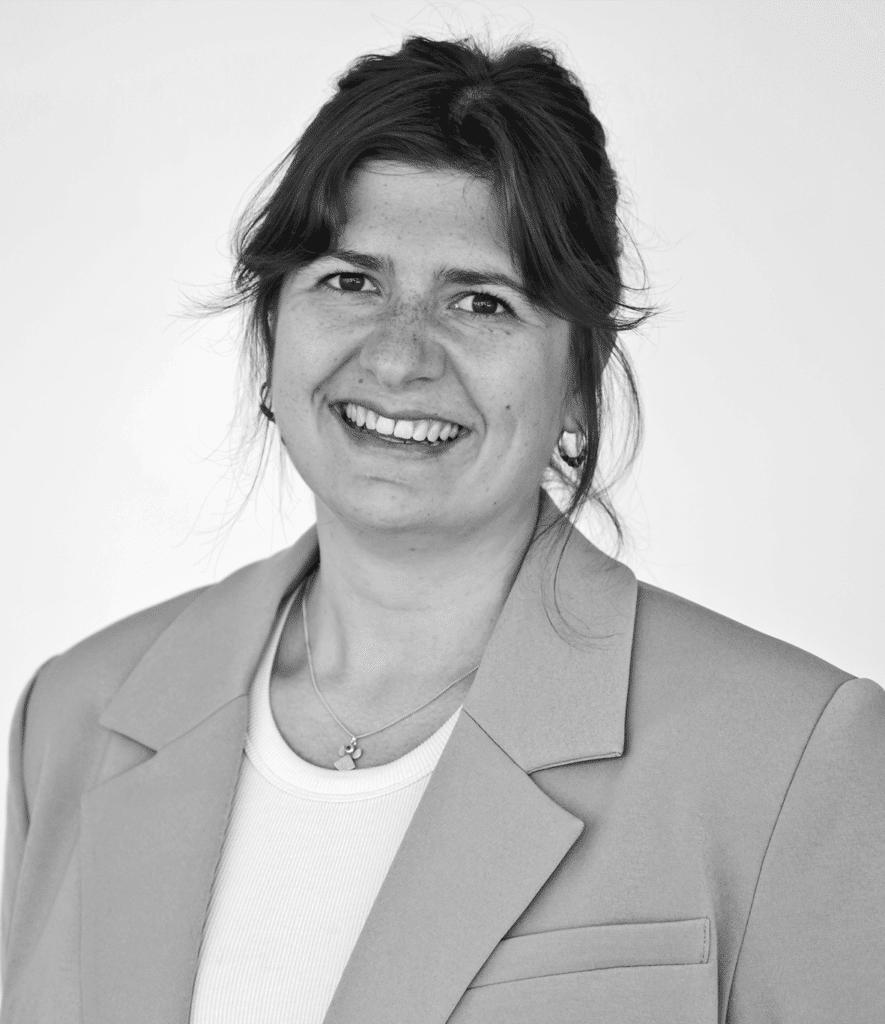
<point x="442" y="759"/>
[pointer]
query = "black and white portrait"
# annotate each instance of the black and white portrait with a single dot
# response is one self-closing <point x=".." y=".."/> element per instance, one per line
<point x="442" y="543"/>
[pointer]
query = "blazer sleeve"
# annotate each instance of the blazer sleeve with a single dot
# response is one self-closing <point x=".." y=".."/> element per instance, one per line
<point x="17" y="819"/>
<point x="813" y="949"/>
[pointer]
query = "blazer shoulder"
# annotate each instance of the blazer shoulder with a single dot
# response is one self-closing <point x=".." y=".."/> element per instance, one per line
<point x="702" y="648"/>
<point x="81" y="681"/>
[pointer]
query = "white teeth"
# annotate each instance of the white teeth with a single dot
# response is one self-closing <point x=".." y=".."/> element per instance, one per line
<point x="406" y="430"/>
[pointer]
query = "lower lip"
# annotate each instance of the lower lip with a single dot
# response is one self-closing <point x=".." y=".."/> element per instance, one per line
<point x="369" y="439"/>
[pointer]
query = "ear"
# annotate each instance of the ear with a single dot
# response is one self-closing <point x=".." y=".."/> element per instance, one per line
<point x="573" y="414"/>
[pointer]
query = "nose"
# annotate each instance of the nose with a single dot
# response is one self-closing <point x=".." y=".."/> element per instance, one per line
<point x="400" y="350"/>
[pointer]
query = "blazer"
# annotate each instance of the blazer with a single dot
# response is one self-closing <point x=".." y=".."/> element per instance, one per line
<point x="646" y="812"/>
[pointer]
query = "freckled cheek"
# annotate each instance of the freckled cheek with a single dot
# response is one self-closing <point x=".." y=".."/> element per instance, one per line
<point x="512" y="428"/>
<point x="510" y="421"/>
<point x="307" y="354"/>
<point x="532" y="421"/>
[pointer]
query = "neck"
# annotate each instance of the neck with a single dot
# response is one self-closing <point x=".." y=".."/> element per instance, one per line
<point x="393" y="620"/>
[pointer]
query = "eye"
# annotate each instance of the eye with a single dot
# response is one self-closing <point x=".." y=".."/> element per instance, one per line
<point x="351" y="278"/>
<point x="347" y="276"/>
<point x="487" y="299"/>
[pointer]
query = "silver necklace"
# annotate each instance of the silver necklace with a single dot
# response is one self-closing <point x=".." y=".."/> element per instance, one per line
<point x="350" y="752"/>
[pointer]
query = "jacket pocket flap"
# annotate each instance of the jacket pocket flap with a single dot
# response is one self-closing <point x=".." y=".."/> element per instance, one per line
<point x="595" y="947"/>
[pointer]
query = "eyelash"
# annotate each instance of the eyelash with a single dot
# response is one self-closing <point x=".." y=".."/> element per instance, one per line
<point x="484" y="295"/>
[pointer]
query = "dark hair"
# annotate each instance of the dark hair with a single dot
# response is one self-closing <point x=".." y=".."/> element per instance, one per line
<point x="515" y="118"/>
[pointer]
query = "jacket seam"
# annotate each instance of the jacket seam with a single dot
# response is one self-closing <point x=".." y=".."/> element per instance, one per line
<point x="771" y="837"/>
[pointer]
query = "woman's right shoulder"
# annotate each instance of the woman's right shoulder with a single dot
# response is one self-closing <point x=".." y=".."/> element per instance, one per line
<point x="74" y="686"/>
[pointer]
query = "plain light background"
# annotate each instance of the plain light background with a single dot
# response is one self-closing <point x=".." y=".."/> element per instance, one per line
<point x="749" y="141"/>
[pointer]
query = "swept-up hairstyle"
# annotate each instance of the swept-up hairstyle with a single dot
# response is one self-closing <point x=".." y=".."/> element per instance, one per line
<point x="515" y="118"/>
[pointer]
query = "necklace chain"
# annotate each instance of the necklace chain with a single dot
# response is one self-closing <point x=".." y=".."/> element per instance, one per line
<point x="353" y="736"/>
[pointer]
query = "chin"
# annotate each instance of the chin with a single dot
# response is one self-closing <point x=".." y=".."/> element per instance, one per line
<point x="387" y="512"/>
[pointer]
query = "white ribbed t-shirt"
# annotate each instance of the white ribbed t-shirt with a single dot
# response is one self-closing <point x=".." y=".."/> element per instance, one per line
<point x="305" y="853"/>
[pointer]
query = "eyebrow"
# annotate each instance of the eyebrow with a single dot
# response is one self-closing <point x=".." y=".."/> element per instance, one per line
<point x="447" y="275"/>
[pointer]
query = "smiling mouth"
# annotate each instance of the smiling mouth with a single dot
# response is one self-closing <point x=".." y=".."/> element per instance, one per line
<point x="389" y="439"/>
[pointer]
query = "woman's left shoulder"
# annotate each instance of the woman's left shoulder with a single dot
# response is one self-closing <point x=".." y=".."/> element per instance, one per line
<point x="707" y="651"/>
<point x="740" y="697"/>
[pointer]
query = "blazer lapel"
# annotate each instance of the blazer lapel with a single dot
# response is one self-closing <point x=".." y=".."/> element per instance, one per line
<point x="481" y="844"/>
<point x="150" y="842"/>
<point x="485" y="838"/>
<point x="151" y="835"/>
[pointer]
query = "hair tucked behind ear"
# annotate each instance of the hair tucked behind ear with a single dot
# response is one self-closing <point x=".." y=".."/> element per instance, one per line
<point x="515" y="118"/>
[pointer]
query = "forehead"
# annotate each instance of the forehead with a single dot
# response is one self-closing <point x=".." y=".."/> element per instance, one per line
<point x="443" y="207"/>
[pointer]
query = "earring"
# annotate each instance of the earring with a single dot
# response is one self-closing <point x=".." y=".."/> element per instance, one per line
<point x="572" y="460"/>
<point x="262" y="404"/>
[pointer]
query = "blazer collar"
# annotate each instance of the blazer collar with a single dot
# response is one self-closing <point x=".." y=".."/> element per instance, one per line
<point x="207" y="656"/>
<point x="529" y="695"/>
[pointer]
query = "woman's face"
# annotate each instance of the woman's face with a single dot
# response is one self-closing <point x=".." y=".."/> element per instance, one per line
<point x="410" y="325"/>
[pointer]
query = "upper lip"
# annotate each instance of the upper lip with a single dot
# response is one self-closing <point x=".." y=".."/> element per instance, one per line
<point x="403" y="414"/>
